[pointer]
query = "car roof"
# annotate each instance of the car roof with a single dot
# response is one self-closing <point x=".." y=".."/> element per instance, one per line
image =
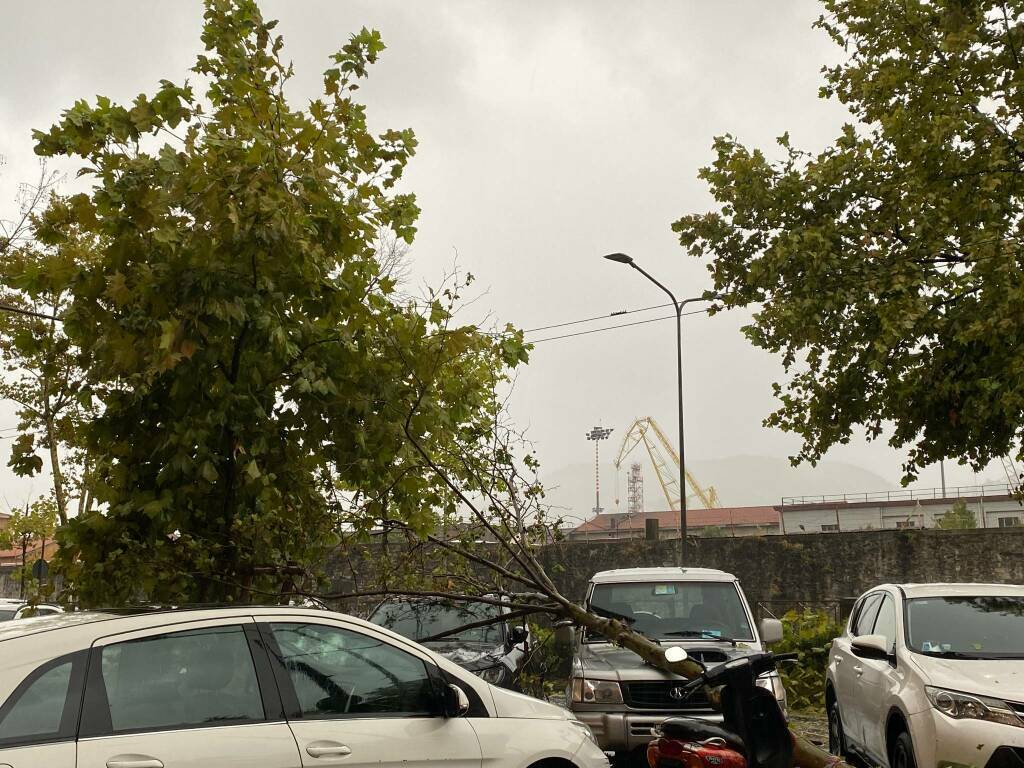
<point x="625" y="575"/>
<point x="960" y="589"/>
<point x="129" y="619"/>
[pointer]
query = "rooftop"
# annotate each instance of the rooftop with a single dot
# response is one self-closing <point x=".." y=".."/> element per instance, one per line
<point x="669" y="519"/>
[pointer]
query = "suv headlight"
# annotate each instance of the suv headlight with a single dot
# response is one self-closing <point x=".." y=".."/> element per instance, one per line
<point x="595" y="691"/>
<point x="772" y="682"/>
<point x="964" y="706"/>
<point x="492" y="675"/>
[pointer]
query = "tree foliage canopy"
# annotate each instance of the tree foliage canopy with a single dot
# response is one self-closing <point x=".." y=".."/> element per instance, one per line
<point x="258" y="379"/>
<point x="887" y="269"/>
<point x="42" y="371"/>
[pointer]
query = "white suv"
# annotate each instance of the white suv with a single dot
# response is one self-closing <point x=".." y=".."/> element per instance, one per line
<point x="931" y="675"/>
<point x="276" y="687"/>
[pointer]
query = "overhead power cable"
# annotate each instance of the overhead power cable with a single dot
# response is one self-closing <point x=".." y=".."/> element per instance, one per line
<point x="614" y="327"/>
<point x="596" y="317"/>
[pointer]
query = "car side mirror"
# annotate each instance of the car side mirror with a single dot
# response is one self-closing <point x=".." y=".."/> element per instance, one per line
<point x="456" y="702"/>
<point x="771" y="630"/>
<point x="518" y="634"/>
<point x="563" y="633"/>
<point x="872" y="647"/>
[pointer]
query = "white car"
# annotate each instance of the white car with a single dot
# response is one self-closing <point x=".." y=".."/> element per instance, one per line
<point x="275" y="687"/>
<point x="18" y="609"/>
<point x="931" y="675"/>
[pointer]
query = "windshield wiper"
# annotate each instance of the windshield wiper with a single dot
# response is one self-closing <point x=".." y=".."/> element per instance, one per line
<point x="701" y="633"/>
<point x="951" y="655"/>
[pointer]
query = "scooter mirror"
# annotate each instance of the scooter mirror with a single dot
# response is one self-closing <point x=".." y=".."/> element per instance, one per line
<point x="675" y="654"/>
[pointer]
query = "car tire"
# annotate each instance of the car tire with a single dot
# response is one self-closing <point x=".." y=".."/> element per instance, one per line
<point x="836" y="736"/>
<point x="903" y="752"/>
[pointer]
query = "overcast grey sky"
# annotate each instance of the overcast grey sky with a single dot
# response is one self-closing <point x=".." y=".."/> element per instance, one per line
<point x="550" y="133"/>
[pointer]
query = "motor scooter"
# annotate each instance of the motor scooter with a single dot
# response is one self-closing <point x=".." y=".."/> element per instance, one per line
<point x="753" y="734"/>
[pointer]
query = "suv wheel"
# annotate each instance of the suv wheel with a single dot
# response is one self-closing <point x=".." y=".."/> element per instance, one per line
<point x="836" y="737"/>
<point x="903" y="752"/>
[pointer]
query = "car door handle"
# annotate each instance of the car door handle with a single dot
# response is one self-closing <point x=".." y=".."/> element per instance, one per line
<point x="134" y="761"/>
<point x="327" y="749"/>
<point x="859" y="671"/>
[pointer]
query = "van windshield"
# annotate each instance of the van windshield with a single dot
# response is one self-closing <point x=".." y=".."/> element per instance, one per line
<point x="676" y="610"/>
<point x="984" y="627"/>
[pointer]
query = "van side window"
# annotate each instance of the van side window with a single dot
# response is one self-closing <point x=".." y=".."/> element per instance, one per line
<point x="201" y="677"/>
<point x="337" y="673"/>
<point x="44" y="707"/>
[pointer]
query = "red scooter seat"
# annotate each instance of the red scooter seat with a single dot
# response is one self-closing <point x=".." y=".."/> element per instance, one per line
<point x="692" y="729"/>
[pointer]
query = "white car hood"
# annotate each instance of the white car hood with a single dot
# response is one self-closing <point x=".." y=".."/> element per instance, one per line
<point x="510" y="704"/>
<point x="998" y="678"/>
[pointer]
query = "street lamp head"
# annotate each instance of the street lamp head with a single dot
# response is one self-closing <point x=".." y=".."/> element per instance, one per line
<point x="620" y="257"/>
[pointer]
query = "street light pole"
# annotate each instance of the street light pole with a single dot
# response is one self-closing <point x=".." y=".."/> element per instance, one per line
<point x="622" y="258"/>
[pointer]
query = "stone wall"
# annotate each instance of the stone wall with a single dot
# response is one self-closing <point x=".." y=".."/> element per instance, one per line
<point x="812" y="568"/>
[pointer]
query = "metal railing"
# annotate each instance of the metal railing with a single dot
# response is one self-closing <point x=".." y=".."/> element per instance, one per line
<point x="901" y="494"/>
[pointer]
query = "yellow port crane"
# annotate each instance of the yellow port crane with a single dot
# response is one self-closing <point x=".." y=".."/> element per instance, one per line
<point x="647" y="431"/>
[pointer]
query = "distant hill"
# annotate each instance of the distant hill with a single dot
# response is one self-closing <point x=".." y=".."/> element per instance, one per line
<point x="739" y="480"/>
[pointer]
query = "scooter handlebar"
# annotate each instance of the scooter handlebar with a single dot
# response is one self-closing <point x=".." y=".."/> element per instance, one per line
<point x="754" y="665"/>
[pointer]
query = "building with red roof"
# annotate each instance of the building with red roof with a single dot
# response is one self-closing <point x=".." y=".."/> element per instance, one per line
<point x="721" y="521"/>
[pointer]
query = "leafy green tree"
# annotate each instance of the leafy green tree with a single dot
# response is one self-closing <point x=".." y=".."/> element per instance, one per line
<point x="887" y="268"/>
<point x="259" y="383"/>
<point x="42" y="373"/>
<point x="35" y="525"/>
<point x="959" y="517"/>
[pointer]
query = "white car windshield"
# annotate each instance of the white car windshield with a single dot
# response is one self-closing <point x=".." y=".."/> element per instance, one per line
<point x="983" y="627"/>
<point x="701" y="610"/>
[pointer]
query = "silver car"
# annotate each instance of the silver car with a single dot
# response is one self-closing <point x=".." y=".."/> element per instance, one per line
<point x="703" y="610"/>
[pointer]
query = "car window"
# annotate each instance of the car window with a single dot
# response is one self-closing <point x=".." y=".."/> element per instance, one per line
<point x="194" y="678"/>
<point x="338" y="673"/>
<point x="35" y="712"/>
<point x="865" y="621"/>
<point x="885" y="624"/>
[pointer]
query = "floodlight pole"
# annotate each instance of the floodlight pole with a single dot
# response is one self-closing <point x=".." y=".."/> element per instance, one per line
<point x="597" y="434"/>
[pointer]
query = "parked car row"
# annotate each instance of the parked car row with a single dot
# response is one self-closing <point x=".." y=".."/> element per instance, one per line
<point x="923" y="675"/>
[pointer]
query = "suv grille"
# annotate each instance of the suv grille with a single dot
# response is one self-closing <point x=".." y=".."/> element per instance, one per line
<point x="659" y="695"/>
<point x="709" y="657"/>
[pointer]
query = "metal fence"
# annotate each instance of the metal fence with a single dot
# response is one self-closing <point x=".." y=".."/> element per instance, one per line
<point x="903" y="494"/>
